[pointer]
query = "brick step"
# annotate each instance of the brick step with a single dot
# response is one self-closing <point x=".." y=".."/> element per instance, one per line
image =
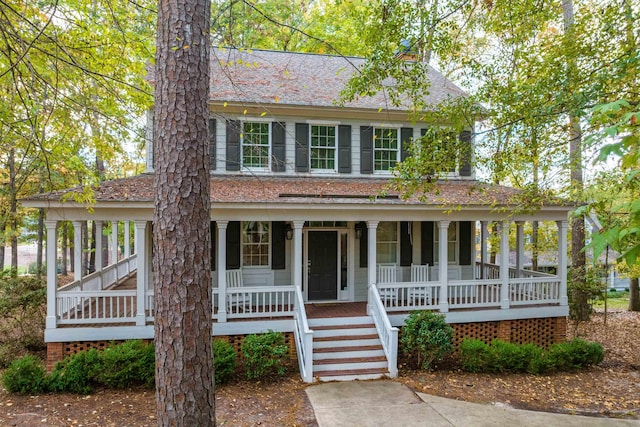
<point x="346" y="337"/>
<point x="350" y="360"/>
<point x="353" y="348"/>
<point x="332" y="327"/>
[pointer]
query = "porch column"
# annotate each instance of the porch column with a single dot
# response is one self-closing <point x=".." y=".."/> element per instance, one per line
<point x="98" y="257"/>
<point x="504" y="265"/>
<point x="52" y="277"/>
<point x="77" y="250"/>
<point x="519" y="247"/>
<point x="443" y="264"/>
<point x="141" y="278"/>
<point x="296" y="258"/>
<point x="127" y="242"/>
<point x="562" y="260"/>
<point x="372" y="257"/>
<point x="114" y="242"/>
<point x="484" y="252"/>
<point x="222" y="270"/>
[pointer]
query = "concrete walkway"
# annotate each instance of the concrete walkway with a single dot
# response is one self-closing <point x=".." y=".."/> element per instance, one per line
<point x="388" y="403"/>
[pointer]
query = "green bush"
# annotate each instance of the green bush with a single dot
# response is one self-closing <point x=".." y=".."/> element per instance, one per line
<point x="224" y="361"/>
<point x="25" y="376"/>
<point x="76" y="373"/>
<point x="426" y="338"/>
<point x="129" y="364"/>
<point x="500" y="356"/>
<point x="264" y="354"/>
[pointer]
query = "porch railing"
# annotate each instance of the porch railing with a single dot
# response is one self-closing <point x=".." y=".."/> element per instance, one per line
<point x="104" y="278"/>
<point x="492" y="271"/>
<point x="538" y="290"/>
<point x="388" y="334"/>
<point x="82" y="307"/>
<point x="256" y="302"/>
<point x="304" y="338"/>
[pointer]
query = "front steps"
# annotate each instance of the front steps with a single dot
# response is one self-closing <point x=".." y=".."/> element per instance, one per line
<point x="347" y="348"/>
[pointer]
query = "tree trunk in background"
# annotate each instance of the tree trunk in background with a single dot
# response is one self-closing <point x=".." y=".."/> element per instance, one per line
<point x="13" y="210"/>
<point x="85" y="245"/>
<point x="64" y="247"/>
<point x="72" y="251"/>
<point x="634" y="295"/>
<point x="580" y="295"/>
<point x="182" y="279"/>
<point x="92" y="252"/>
<point x="1" y="252"/>
<point x="534" y="245"/>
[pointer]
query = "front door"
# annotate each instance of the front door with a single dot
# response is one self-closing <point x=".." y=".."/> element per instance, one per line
<point x="323" y="265"/>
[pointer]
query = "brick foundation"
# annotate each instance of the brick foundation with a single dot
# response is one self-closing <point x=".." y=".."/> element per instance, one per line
<point x="542" y="332"/>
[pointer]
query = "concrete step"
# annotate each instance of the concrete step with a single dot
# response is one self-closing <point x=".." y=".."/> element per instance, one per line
<point x="352" y="374"/>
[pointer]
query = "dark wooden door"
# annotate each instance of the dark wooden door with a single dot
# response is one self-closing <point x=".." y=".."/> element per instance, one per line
<point x="323" y="265"/>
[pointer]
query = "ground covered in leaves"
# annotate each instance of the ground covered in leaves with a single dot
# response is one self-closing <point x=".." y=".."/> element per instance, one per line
<point x="609" y="390"/>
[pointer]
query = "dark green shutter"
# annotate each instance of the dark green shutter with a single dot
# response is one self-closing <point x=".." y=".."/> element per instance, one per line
<point x="233" y="245"/>
<point x="466" y="240"/>
<point x="426" y="243"/>
<point x="278" y="146"/>
<point x="406" y="134"/>
<point x="344" y="149"/>
<point x="213" y="245"/>
<point x="465" y="153"/>
<point x="233" y="145"/>
<point x="406" y="251"/>
<point x="364" y="246"/>
<point x="212" y="144"/>
<point x="302" y="147"/>
<point x="366" y="149"/>
<point x="278" y="247"/>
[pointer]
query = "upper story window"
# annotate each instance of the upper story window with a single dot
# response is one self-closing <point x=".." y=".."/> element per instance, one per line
<point x="256" y="139"/>
<point x="387" y="243"/>
<point x="255" y="243"/>
<point x="386" y="148"/>
<point x="323" y="147"/>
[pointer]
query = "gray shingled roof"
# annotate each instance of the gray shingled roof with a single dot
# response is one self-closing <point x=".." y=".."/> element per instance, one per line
<point x="300" y="79"/>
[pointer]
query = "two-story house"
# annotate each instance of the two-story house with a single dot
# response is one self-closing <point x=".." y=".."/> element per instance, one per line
<point x="303" y="239"/>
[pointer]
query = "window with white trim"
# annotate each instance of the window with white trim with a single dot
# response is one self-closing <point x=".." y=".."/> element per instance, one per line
<point x="322" y="151"/>
<point x="452" y="243"/>
<point x="256" y="139"/>
<point x="255" y="243"/>
<point x="386" y="148"/>
<point x="387" y="243"/>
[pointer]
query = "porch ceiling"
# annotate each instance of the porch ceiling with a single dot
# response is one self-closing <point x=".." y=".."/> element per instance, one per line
<point x="284" y="192"/>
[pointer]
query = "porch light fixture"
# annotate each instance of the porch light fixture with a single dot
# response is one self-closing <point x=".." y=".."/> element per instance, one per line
<point x="359" y="229"/>
<point x="288" y="232"/>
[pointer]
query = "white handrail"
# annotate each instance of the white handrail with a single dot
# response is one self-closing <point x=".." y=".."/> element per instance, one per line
<point x="304" y="338"/>
<point x="388" y="334"/>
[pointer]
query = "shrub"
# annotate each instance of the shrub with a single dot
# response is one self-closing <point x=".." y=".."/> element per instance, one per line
<point x="263" y="354"/>
<point x="128" y="364"/>
<point x="25" y="376"/>
<point x="426" y="338"/>
<point x="224" y="361"/>
<point x="76" y="373"/>
<point x="505" y="357"/>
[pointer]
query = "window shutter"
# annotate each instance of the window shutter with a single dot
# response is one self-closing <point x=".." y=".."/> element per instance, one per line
<point x="233" y="145"/>
<point x="344" y="149"/>
<point x="405" y="139"/>
<point x="213" y="245"/>
<point x="466" y="240"/>
<point x="278" y="247"/>
<point x="233" y="245"/>
<point x="364" y="246"/>
<point x="302" y="147"/>
<point x="366" y="149"/>
<point x="406" y="251"/>
<point x="465" y="153"/>
<point x="278" y="146"/>
<point x="212" y="144"/>
<point x="426" y="251"/>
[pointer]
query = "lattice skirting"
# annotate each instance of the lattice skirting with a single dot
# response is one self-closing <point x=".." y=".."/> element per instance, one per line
<point x="57" y="351"/>
<point x="542" y="332"/>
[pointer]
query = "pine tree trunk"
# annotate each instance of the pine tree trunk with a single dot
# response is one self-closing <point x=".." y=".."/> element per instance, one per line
<point x="634" y="295"/>
<point x="182" y="279"/>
